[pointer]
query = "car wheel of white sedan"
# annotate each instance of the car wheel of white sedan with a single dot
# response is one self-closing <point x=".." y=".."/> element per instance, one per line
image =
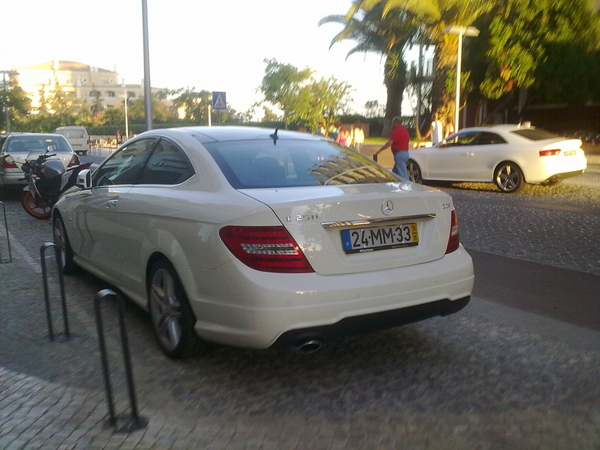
<point x="172" y="317"/>
<point x="414" y="172"/>
<point x="508" y="177"/>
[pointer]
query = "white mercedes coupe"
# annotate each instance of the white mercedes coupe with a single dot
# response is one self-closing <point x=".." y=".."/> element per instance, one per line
<point x="507" y="155"/>
<point x="259" y="237"/>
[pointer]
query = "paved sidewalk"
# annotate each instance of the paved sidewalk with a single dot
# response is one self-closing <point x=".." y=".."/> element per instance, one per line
<point x="40" y="415"/>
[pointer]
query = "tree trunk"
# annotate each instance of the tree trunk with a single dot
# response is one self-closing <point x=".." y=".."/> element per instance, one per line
<point x="395" y="83"/>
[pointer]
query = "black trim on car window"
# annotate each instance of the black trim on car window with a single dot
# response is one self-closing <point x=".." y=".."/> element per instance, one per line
<point x="488" y="138"/>
<point x="168" y="164"/>
<point x="125" y="165"/>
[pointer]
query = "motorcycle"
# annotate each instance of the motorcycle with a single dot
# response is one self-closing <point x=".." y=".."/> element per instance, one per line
<point x="47" y="179"/>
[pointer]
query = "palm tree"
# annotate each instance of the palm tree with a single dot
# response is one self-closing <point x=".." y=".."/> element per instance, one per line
<point x="388" y="35"/>
<point x="433" y="16"/>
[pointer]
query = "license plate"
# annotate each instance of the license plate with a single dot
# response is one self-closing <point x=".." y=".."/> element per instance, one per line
<point x="570" y="152"/>
<point x="361" y="240"/>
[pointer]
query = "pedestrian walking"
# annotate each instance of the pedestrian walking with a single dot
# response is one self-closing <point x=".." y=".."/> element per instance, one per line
<point x="357" y="136"/>
<point x="399" y="142"/>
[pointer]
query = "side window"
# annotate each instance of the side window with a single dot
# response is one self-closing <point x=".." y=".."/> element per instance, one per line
<point x="462" y="139"/>
<point x="490" y="138"/>
<point x="124" y="166"/>
<point x="167" y="165"/>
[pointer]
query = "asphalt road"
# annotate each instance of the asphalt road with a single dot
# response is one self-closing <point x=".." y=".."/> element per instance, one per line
<point x="526" y="347"/>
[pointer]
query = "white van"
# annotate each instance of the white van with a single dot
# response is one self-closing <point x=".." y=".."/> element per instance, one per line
<point x="76" y="136"/>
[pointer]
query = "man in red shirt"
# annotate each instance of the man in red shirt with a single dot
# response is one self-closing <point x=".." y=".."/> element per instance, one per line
<point x="399" y="142"/>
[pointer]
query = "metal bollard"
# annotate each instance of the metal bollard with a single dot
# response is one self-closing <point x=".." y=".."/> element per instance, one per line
<point x="7" y="236"/>
<point x="134" y="421"/>
<point x="61" y="282"/>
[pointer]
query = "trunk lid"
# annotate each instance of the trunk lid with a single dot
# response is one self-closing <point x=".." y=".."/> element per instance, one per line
<point x="316" y="217"/>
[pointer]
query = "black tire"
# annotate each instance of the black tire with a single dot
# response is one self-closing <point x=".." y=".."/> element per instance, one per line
<point x="35" y="207"/>
<point x="508" y="177"/>
<point x="414" y="172"/>
<point x="62" y="246"/>
<point x="172" y="317"/>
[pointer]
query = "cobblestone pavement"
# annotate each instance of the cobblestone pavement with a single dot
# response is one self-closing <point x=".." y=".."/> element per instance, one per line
<point x="468" y="381"/>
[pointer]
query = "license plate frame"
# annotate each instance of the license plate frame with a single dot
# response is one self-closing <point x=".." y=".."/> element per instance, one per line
<point x="381" y="237"/>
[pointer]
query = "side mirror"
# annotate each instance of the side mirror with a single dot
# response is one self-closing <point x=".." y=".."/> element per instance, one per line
<point x="84" y="179"/>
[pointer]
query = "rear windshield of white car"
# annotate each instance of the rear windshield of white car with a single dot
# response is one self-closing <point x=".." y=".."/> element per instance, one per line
<point x="36" y="144"/>
<point x="535" y="134"/>
<point x="76" y="134"/>
<point x="292" y="163"/>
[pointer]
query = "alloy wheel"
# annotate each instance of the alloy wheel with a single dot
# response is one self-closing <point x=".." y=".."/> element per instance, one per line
<point x="165" y="309"/>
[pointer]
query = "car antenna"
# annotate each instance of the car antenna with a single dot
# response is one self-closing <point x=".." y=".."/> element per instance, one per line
<point x="274" y="136"/>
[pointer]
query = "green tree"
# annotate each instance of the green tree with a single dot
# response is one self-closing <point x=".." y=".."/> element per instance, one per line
<point x="114" y="116"/>
<point x="19" y="106"/>
<point x="160" y="112"/>
<point x="321" y="101"/>
<point x="433" y="16"/>
<point x="281" y="84"/>
<point x="386" y="34"/>
<point x="303" y="99"/>
<point x="548" y="45"/>
<point x="195" y="105"/>
<point x="269" y="115"/>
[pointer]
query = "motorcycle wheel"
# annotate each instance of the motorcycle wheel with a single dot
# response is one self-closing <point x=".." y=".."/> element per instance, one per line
<point x="34" y="207"/>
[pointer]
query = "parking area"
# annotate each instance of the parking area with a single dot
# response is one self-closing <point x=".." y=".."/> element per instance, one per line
<point x="490" y="377"/>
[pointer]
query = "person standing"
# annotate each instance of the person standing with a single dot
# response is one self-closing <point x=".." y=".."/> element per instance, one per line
<point x="436" y="129"/>
<point x="343" y="136"/>
<point x="358" y="136"/>
<point x="320" y="131"/>
<point x="449" y="128"/>
<point x="399" y="142"/>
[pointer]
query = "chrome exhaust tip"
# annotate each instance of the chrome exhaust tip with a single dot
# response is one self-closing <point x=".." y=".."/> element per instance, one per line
<point x="309" y="346"/>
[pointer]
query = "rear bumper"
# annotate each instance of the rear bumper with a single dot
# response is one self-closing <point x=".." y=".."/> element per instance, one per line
<point x="12" y="178"/>
<point x="562" y="176"/>
<point x="238" y="306"/>
<point x="370" y="322"/>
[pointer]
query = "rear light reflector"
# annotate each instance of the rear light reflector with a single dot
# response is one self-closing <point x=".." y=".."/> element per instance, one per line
<point x="268" y="249"/>
<point x="74" y="161"/>
<point x="553" y="152"/>
<point x="6" y="165"/>
<point x="453" y="240"/>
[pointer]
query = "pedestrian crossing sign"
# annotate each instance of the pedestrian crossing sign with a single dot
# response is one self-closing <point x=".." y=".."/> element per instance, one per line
<point x="219" y="100"/>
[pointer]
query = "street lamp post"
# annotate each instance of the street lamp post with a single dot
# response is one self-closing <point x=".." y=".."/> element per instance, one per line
<point x="124" y="86"/>
<point x="460" y="31"/>
<point x="147" y="85"/>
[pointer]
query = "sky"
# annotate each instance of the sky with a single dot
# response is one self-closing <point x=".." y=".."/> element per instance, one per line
<point x="214" y="45"/>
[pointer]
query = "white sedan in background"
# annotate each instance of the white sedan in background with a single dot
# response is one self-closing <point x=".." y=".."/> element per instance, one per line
<point x="507" y="155"/>
<point x="254" y="237"/>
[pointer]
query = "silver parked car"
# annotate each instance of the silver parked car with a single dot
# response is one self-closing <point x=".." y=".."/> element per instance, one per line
<point x="28" y="146"/>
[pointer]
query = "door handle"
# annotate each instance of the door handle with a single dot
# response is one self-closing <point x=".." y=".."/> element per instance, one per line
<point x="470" y="154"/>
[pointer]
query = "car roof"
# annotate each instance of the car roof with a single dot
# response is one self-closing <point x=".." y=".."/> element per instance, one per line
<point x="234" y="133"/>
<point x="507" y="127"/>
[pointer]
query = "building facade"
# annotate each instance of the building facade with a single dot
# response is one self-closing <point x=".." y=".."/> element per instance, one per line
<point x="82" y="81"/>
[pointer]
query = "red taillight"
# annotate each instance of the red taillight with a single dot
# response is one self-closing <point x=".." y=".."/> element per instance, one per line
<point x="7" y="165"/>
<point x="268" y="249"/>
<point x="453" y="240"/>
<point x="553" y="152"/>
<point x="74" y="161"/>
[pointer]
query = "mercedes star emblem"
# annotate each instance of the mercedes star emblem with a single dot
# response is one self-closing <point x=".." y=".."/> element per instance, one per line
<point x="387" y="207"/>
